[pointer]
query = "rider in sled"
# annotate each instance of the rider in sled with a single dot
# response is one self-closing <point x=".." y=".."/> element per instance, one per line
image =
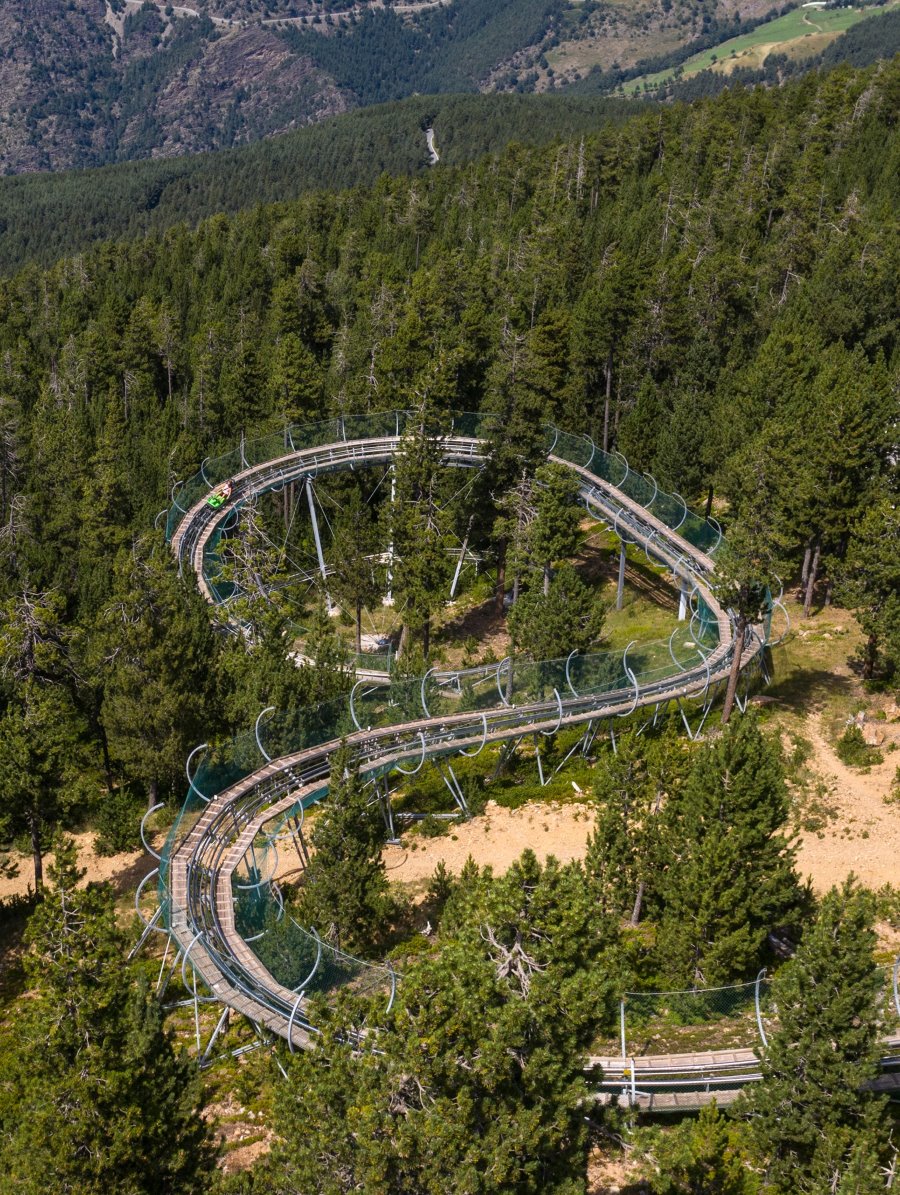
<point x="220" y="496"/>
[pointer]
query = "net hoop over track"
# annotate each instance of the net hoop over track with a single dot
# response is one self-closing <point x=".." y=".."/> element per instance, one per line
<point x="214" y="874"/>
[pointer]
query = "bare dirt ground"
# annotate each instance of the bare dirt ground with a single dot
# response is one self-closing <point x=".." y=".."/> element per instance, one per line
<point x="865" y="835"/>
<point x="816" y="691"/>
<point x="125" y="871"/>
<point x="241" y="1133"/>
<point x="612" y="1174"/>
<point x="498" y="837"/>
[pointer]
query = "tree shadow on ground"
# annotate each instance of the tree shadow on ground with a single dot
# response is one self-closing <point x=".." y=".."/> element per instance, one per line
<point x="806" y="690"/>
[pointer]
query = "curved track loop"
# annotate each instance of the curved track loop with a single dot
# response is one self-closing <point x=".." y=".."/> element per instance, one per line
<point x="199" y="871"/>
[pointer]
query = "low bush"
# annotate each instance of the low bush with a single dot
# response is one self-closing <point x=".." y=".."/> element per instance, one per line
<point x="853" y="750"/>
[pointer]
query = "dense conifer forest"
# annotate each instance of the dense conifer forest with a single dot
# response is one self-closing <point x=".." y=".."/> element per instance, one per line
<point x="708" y="289"/>
<point x="45" y="216"/>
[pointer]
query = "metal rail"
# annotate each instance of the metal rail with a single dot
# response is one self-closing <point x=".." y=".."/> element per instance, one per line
<point x="198" y="870"/>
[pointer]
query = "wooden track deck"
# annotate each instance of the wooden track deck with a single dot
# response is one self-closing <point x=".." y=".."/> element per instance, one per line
<point x="202" y="864"/>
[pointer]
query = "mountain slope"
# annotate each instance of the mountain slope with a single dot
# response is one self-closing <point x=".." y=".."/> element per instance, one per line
<point x="91" y="82"/>
<point x="44" y="216"/>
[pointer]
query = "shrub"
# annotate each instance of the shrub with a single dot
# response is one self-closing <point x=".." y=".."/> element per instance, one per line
<point x="893" y="797"/>
<point x="853" y="750"/>
<point x="118" y="823"/>
<point x="433" y="827"/>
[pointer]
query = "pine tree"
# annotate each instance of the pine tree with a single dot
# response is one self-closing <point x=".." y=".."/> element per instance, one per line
<point x="815" y="1122"/>
<point x="45" y="761"/>
<point x="345" y="894"/>
<point x="614" y="854"/>
<point x="707" y="1156"/>
<point x="631" y="785"/>
<point x="567" y="617"/>
<point x="45" y="770"/>
<point x="420" y="525"/>
<point x="869" y="584"/>
<point x="106" y="505"/>
<point x="730" y="877"/>
<point x="159" y="658"/>
<point x="97" y="1098"/>
<point x="554" y="533"/>
<point x="357" y="577"/>
<point x="744" y="581"/>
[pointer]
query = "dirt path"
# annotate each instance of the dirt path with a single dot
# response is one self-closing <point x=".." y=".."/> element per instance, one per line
<point x="865" y="835"/>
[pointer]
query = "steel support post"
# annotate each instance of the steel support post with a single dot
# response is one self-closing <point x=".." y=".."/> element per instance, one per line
<point x="537" y="755"/>
<point x="459" y="563"/>
<point x="162" y="984"/>
<point x="388" y="814"/>
<point x="622" y="1027"/>
<point x="759" y="1020"/>
<point x="388" y="599"/>
<point x="221" y="1024"/>
<point x="684" y="718"/>
<point x="310" y="497"/>
<point x="620" y="589"/>
<point x="590" y="734"/>
<point x="683" y="600"/>
<point x="460" y="796"/>
<point x="453" y="787"/>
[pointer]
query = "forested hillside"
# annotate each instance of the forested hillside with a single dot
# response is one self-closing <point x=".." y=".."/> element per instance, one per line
<point x="91" y="82"/>
<point x="710" y="290"/>
<point x="874" y="39"/>
<point x="43" y="217"/>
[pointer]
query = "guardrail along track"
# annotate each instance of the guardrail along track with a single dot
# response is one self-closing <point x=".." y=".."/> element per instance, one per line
<point x="212" y="852"/>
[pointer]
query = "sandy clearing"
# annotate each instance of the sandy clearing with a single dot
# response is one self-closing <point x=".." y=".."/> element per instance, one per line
<point x="861" y="810"/>
<point x="498" y="837"/>
<point x="124" y="871"/>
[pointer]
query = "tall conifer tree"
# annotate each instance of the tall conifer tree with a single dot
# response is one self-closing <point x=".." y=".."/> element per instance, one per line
<point x="816" y="1123"/>
<point x="730" y="877"/>
<point x="97" y="1098"/>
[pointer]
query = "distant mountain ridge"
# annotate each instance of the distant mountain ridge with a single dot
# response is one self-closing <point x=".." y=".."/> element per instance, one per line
<point x="92" y="82"/>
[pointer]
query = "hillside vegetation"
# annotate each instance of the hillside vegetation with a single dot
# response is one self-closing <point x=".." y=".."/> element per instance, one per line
<point x="871" y="40"/>
<point x="798" y="34"/>
<point x="93" y="82"/>
<point x="709" y="290"/>
<point x="45" y="216"/>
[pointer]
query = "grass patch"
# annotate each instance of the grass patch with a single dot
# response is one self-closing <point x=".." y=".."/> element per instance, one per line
<point x="790" y="30"/>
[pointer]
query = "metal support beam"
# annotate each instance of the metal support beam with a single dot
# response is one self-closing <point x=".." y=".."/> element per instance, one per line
<point x="454" y="787"/>
<point x="221" y="1024"/>
<point x="459" y="562"/>
<point x="310" y="497"/>
<point x="684" y="718"/>
<point x="537" y="755"/>
<point x="384" y="798"/>
<point x="590" y="733"/>
<point x="620" y="589"/>
<point x="683" y="600"/>
<point x="388" y="599"/>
